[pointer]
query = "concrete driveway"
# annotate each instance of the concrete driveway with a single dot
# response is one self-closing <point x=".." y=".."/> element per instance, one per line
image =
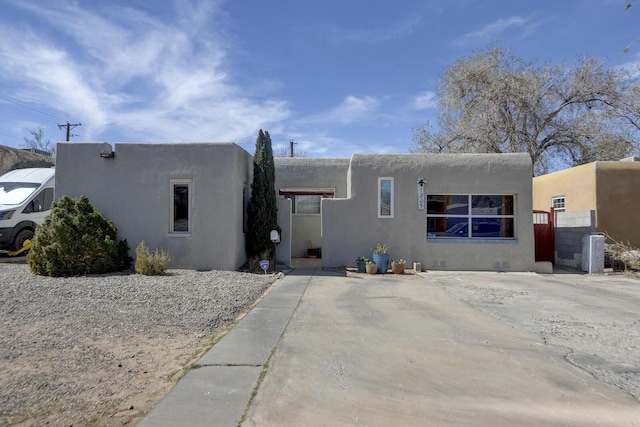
<point x="384" y="350"/>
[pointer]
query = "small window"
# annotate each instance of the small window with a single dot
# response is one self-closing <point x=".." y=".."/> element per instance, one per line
<point x="245" y="206"/>
<point x="385" y="197"/>
<point x="557" y="203"/>
<point x="180" y="206"/>
<point x="306" y="201"/>
<point x="306" y="204"/>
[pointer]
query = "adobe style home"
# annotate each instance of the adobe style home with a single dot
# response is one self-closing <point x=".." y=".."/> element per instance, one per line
<point x="605" y="193"/>
<point x="446" y="211"/>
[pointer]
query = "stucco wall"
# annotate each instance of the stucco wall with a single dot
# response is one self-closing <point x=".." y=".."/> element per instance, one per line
<point x="292" y="172"/>
<point x="609" y="188"/>
<point x="351" y="226"/>
<point x="133" y="191"/>
<point x="302" y="172"/>
<point x="283" y="249"/>
<point x="618" y="200"/>
<point x="577" y="185"/>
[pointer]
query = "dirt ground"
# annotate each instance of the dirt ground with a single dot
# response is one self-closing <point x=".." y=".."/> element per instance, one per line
<point x="103" y="350"/>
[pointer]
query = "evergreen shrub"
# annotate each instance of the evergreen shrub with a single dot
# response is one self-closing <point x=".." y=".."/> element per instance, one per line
<point x="75" y="239"/>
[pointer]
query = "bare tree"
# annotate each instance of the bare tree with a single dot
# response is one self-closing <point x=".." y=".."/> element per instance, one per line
<point x="494" y="102"/>
<point x="38" y="141"/>
<point x="284" y="151"/>
<point x="626" y="49"/>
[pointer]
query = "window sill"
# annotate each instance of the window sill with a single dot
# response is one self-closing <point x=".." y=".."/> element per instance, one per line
<point x="459" y="240"/>
<point x="179" y="234"/>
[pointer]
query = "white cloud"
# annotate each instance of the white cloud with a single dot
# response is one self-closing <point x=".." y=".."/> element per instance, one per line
<point x="632" y="67"/>
<point x="392" y="31"/>
<point x="491" y="30"/>
<point x="118" y="67"/>
<point x="351" y="110"/>
<point x="425" y="100"/>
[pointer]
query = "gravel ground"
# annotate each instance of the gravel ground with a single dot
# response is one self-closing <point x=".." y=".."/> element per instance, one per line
<point x="102" y="350"/>
<point x="593" y="320"/>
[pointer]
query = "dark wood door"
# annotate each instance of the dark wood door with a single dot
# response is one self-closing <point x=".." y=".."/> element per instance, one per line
<point x="544" y="232"/>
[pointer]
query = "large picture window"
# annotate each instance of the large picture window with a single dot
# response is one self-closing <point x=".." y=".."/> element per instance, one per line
<point x="470" y="216"/>
<point x="180" y="221"/>
<point x="385" y="197"/>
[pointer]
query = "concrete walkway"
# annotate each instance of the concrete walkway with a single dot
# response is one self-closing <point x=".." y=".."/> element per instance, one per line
<point x="384" y="350"/>
<point x="217" y="393"/>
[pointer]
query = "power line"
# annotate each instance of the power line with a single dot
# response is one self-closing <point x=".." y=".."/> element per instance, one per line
<point x="25" y="105"/>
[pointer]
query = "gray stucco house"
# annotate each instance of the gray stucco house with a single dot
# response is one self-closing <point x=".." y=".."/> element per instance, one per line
<point x="446" y="211"/>
<point x="189" y="199"/>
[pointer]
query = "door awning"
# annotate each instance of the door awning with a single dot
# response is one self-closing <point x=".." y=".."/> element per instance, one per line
<point x="324" y="192"/>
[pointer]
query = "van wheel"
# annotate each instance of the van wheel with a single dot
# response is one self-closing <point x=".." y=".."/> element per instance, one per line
<point x="22" y="237"/>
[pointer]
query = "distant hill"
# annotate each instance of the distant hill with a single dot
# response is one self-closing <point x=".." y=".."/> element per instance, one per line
<point x="15" y="158"/>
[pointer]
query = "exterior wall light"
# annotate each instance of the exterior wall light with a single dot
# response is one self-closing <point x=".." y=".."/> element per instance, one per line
<point x="107" y="152"/>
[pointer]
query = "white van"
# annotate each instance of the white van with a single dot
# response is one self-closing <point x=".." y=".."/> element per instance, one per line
<point x="26" y="196"/>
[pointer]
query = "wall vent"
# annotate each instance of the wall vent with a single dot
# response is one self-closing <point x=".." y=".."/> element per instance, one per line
<point x="439" y="263"/>
<point x="500" y="264"/>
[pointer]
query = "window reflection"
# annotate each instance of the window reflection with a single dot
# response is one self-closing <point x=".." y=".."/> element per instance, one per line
<point x="181" y="208"/>
<point x="490" y="216"/>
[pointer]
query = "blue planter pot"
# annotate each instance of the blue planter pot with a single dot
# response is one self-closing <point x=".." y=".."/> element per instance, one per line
<point x="382" y="261"/>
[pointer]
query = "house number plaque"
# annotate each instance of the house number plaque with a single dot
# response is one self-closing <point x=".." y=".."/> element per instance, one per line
<point x="420" y="197"/>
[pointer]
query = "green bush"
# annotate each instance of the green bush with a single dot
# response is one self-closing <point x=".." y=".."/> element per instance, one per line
<point x="151" y="263"/>
<point x="74" y="240"/>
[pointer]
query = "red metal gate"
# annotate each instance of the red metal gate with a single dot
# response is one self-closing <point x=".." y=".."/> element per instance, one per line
<point x="544" y="232"/>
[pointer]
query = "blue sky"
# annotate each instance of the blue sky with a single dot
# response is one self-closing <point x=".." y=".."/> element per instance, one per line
<point x="338" y="77"/>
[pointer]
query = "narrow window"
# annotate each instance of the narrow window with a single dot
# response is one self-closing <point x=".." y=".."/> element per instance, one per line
<point x="181" y="206"/>
<point x="385" y="197"/>
<point x="245" y="206"/>
<point x="557" y="203"/>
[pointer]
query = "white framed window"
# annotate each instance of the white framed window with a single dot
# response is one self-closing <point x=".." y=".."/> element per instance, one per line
<point x="306" y="204"/>
<point x="557" y="203"/>
<point x="385" y="198"/>
<point x="180" y="209"/>
<point x="471" y="216"/>
<point x="306" y="201"/>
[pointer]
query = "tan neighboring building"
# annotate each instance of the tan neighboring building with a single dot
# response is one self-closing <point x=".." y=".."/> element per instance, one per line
<point x="610" y="189"/>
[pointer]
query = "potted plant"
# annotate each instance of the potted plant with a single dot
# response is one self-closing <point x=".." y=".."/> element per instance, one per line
<point x="362" y="264"/>
<point x="371" y="267"/>
<point x="397" y="267"/>
<point x="381" y="257"/>
<point x="311" y="251"/>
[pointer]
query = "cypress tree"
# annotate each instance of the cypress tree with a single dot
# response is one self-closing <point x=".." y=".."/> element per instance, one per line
<point x="262" y="212"/>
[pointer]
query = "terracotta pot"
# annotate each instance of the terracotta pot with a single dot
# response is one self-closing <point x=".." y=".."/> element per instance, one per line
<point x="397" y="268"/>
<point x="372" y="269"/>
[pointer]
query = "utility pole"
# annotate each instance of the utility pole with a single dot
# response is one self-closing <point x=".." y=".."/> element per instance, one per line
<point x="69" y="126"/>
<point x="291" y="144"/>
